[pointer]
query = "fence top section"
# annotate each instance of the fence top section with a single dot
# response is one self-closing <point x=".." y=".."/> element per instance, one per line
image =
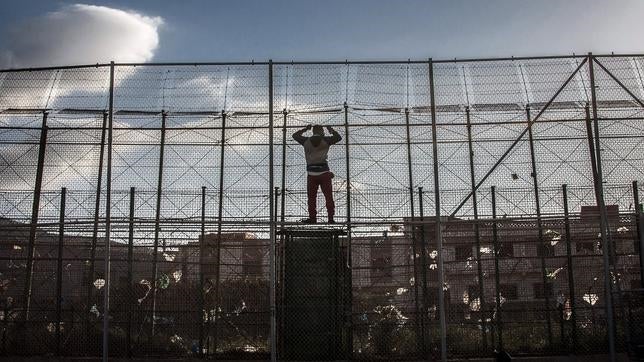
<point x="322" y="62"/>
<point x="326" y="89"/>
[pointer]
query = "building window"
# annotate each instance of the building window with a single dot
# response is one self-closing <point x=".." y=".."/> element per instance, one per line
<point x="539" y="290"/>
<point x="463" y="252"/>
<point x="509" y="291"/>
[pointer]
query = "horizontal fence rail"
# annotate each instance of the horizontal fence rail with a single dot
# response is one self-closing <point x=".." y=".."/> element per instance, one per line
<point x="481" y="205"/>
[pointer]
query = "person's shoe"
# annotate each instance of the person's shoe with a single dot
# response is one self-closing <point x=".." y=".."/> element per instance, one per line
<point x="331" y="221"/>
<point x="308" y="221"/>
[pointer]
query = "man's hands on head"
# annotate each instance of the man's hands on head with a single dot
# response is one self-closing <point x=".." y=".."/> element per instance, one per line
<point x="308" y="127"/>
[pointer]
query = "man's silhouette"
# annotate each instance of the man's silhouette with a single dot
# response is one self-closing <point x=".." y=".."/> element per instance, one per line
<point x="316" y="149"/>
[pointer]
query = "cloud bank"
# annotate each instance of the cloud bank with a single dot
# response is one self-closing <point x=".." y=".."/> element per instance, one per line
<point x="82" y="34"/>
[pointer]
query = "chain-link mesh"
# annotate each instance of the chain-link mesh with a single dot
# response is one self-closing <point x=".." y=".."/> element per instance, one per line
<point x="534" y="164"/>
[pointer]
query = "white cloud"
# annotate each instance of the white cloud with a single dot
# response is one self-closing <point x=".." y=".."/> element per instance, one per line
<point x="82" y="34"/>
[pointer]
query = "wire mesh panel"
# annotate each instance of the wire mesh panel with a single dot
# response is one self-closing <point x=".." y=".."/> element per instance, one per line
<point x="535" y="247"/>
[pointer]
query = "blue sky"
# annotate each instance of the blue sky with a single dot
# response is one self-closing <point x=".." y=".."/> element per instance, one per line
<point x="359" y="29"/>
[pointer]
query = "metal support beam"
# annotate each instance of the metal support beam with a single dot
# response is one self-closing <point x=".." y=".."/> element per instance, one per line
<point x="108" y="221"/>
<point x="571" y="274"/>
<point x="477" y="230"/>
<point x="59" y="268"/>
<point x="419" y="310"/>
<point x="423" y="245"/>
<point x="157" y="221"/>
<point x="437" y="225"/>
<point x="200" y="295"/>
<point x="603" y="220"/>
<point x="279" y="290"/>
<point x="220" y="214"/>
<point x="348" y="169"/>
<point x="130" y="277"/>
<point x="409" y="164"/>
<point x="276" y="194"/>
<point x="283" y="186"/>
<point x="33" y="226"/>
<point x="541" y="247"/>
<point x="349" y="317"/>
<point x="497" y="276"/>
<point x="97" y="212"/>
<point x="273" y="333"/>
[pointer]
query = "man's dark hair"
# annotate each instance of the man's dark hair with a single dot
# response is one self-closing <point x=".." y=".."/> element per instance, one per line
<point x="318" y="129"/>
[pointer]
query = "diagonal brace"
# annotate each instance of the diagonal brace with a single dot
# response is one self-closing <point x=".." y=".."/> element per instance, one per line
<point x="619" y="82"/>
<point x="516" y="141"/>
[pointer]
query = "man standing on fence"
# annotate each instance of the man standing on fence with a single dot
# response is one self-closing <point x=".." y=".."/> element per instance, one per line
<point x="316" y="149"/>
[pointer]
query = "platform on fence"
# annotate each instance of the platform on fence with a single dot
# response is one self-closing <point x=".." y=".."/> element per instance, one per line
<point x="315" y="288"/>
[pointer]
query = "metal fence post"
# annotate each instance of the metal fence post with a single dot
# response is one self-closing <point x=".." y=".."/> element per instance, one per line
<point x="409" y="165"/>
<point x="283" y="186"/>
<point x="277" y="261"/>
<point x="200" y="296"/>
<point x="346" y="158"/>
<point x="97" y="212"/>
<point x="273" y="333"/>
<point x="541" y="247"/>
<point x="571" y="278"/>
<point x="349" y="252"/>
<point x="419" y="311"/>
<point x="639" y="244"/>
<point x="423" y="245"/>
<point x="591" y="145"/>
<point x="220" y="210"/>
<point x="33" y="226"/>
<point x="438" y="226"/>
<point x="59" y="268"/>
<point x="130" y="278"/>
<point x="477" y="230"/>
<point x="108" y="221"/>
<point x="157" y="221"/>
<point x="599" y="194"/>
<point x="279" y="293"/>
<point x="497" y="276"/>
<point x="276" y="203"/>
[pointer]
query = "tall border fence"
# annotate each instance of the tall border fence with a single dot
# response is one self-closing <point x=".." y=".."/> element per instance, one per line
<point x="152" y="210"/>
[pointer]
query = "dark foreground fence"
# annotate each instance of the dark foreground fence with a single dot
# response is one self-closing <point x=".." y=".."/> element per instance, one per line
<point x="151" y="210"/>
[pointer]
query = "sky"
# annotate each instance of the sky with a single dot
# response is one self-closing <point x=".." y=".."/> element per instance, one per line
<point x="41" y="33"/>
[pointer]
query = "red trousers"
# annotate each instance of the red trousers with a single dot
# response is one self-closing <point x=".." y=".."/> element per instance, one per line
<point x="324" y="182"/>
